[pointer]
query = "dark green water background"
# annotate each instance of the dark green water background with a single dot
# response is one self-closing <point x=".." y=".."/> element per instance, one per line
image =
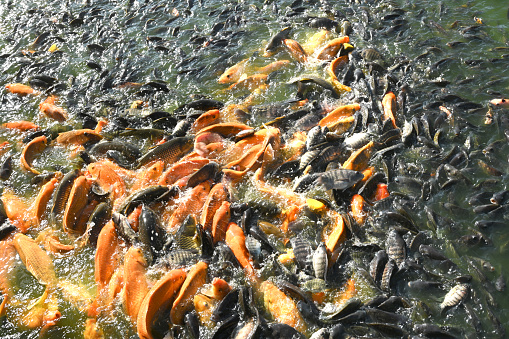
<point x="145" y="41"/>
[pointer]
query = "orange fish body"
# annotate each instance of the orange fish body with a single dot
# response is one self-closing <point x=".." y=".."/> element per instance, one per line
<point x="114" y="288"/>
<point x="53" y="111"/>
<point x="31" y="150"/>
<point x="240" y="148"/>
<point x="17" y="211"/>
<point x="500" y="102"/>
<point x="110" y="178"/>
<point x="283" y="308"/>
<point x="52" y="244"/>
<point x="7" y="258"/>
<point x="181" y="169"/>
<point x="233" y="73"/>
<point x="315" y="41"/>
<point x="220" y="288"/>
<point x="358" y="160"/>
<point x="148" y="176"/>
<point x="214" y="200"/>
<point x="389" y="106"/>
<point x="330" y="50"/>
<point x="206" y="119"/>
<point x="78" y="137"/>
<point x="35" y="259"/>
<point x="335" y="65"/>
<point x="337" y="236"/>
<point x="195" y="279"/>
<point x="236" y="240"/>
<point x="225" y="129"/>
<point x="348" y="292"/>
<point x="191" y="204"/>
<point x="20" y="89"/>
<point x="159" y="299"/>
<point x="44" y="196"/>
<point x="136" y="286"/>
<point x="368" y="173"/>
<point x="273" y="66"/>
<point x="249" y="83"/>
<point x="357" y="206"/>
<point x="381" y="192"/>
<point x="295" y="50"/>
<point x="92" y="331"/>
<point x="106" y="255"/>
<point x="76" y="203"/>
<point x="338" y="114"/>
<point x="220" y="222"/>
<point x="20" y="125"/>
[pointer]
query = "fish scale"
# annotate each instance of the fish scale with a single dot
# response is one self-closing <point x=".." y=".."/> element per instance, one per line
<point x="320" y="261"/>
<point x="302" y="251"/>
<point x="455" y="295"/>
<point x="396" y="247"/>
<point x="35" y="259"/>
<point x="377" y="264"/>
<point x="407" y="161"/>
<point x="63" y="191"/>
<point x="169" y="152"/>
<point x="385" y="283"/>
<point x="186" y="236"/>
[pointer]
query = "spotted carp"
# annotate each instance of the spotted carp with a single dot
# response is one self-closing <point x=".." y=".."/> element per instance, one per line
<point x="169" y="152"/>
<point x="500" y="102"/>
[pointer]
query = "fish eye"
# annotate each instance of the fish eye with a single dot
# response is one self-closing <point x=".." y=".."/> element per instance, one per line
<point x="503" y="100"/>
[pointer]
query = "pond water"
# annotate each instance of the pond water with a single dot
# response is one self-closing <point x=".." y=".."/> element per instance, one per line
<point x="95" y="55"/>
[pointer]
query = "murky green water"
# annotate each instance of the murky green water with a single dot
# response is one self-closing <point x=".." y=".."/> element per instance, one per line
<point x="104" y="44"/>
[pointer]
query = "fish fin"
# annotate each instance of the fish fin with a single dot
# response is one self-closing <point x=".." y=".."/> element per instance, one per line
<point x="40" y="300"/>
